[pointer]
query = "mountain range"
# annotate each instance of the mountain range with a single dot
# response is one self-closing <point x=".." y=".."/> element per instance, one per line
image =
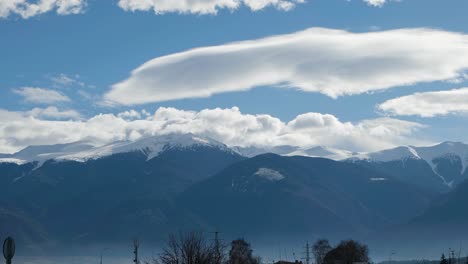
<point x="79" y="193"/>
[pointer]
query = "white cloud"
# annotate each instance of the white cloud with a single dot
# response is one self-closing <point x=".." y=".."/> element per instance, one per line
<point x="27" y="9"/>
<point x="377" y="3"/>
<point x="18" y="130"/>
<point x="428" y="104"/>
<point x="54" y="113"/>
<point x="332" y="62"/>
<point x="202" y="6"/>
<point x="130" y="115"/>
<point x="65" y="80"/>
<point x="41" y="95"/>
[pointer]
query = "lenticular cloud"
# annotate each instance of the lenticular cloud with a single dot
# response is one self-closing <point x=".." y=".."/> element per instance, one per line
<point x="327" y="61"/>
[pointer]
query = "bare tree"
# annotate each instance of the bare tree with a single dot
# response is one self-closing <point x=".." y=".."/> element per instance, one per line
<point x="219" y="249"/>
<point x="320" y="249"/>
<point x="189" y="248"/>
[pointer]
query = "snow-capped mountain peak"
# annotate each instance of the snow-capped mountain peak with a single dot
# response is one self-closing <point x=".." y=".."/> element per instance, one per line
<point x="399" y="153"/>
<point x="83" y="151"/>
<point x="286" y="150"/>
<point x="435" y="156"/>
<point x="150" y="146"/>
<point x="445" y="149"/>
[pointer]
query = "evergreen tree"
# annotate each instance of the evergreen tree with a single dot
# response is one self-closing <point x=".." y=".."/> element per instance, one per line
<point x="241" y="253"/>
<point x="443" y="260"/>
<point x="348" y="252"/>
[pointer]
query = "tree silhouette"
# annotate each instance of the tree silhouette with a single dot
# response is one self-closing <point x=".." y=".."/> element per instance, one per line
<point x="190" y="248"/>
<point x="241" y="253"/>
<point x="443" y="259"/>
<point x="320" y="250"/>
<point x="348" y="252"/>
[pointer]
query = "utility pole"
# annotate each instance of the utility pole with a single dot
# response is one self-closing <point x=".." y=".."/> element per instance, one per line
<point x="217" y="248"/>
<point x="390" y="257"/>
<point x="102" y="251"/>
<point x="307" y="253"/>
<point x="136" y="245"/>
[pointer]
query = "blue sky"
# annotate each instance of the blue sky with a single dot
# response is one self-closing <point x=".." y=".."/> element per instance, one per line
<point x="82" y="53"/>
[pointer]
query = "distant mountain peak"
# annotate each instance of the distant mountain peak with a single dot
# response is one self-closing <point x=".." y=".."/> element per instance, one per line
<point x="398" y="153"/>
<point x="436" y="156"/>
<point x="286" y="150"/>
<point x="82" y="151"/>
<point x="452" y="143"/>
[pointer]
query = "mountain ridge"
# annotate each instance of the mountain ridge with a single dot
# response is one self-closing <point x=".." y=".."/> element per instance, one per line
<point x="447" y="161"/>
<point x="82" y="151"/>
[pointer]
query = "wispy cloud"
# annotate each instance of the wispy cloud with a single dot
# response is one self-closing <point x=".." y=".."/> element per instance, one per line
<point x="27" y="8"/>
<point x="332" y="62"/>
<point x="428" y="104"/>
<point x="230" y="125"/>
<point x="66" y="80"/>
<point x="41" y="95"/>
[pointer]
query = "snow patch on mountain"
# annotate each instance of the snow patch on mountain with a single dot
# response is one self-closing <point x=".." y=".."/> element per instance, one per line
<point x="269" y="174"/>
<point x="378" y="179"/>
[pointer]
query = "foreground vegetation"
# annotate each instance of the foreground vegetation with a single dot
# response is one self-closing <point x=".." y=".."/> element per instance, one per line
<point x="194" y="248"/>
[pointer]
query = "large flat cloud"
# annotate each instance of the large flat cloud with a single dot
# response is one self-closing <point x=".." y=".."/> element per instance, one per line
<point x="230" y="126"/>
<point x="428" y="104"/>
<point x="202" y="6"/>
<point x="27" y="8"/>
<point x="332" y="62"/>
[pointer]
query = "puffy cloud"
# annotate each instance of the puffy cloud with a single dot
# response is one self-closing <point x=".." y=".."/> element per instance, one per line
<point x="202" y="6"/>
<point x="332" y="62"/>
<point x="230" y="126"/>
<point x="41" y="95"/>
<point x="428" y="104"/>
<point x="27" y="8"/>
<point x="130" y="114"/>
